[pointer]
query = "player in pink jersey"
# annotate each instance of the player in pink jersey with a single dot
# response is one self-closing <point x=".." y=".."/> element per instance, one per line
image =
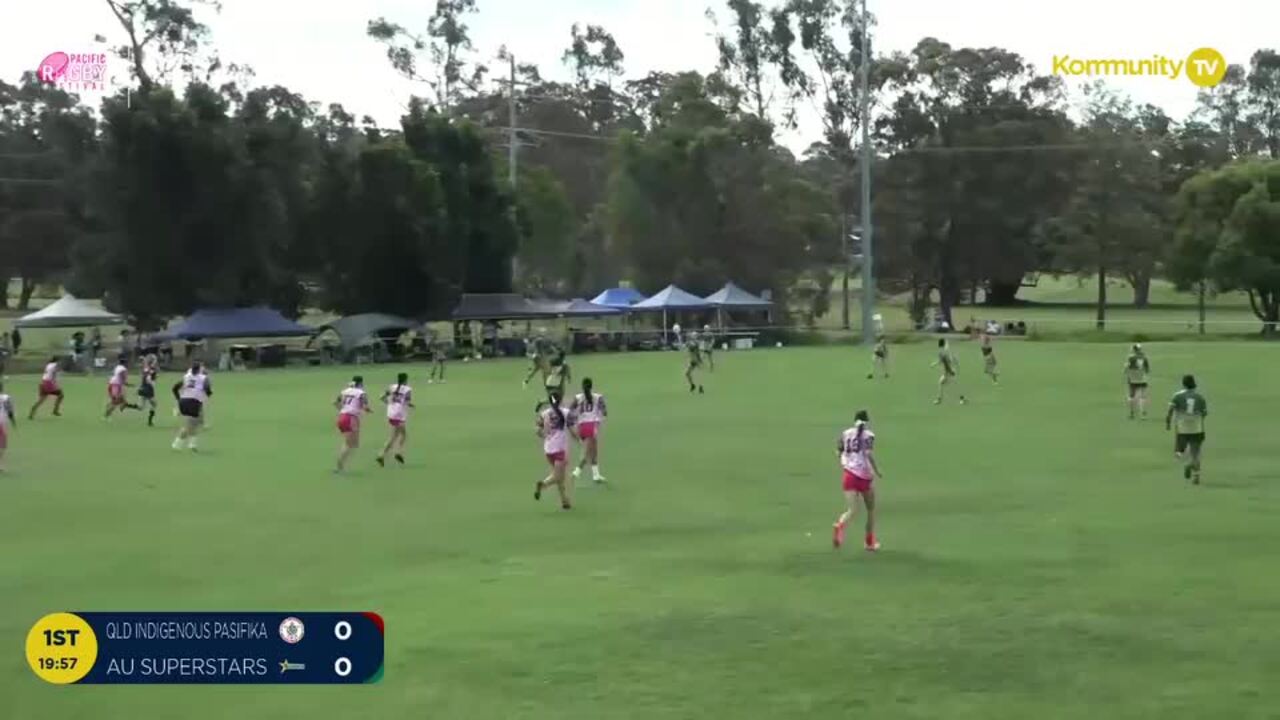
<point x="590" y="411"/>
<point x="555" y="425"/>
<point x="49" y="387"/>
<point x="7" y="423"/>
<point x="352" y="402"/>
<point x="399" y="400"/>
<point x="115" y="390"/>
<point x="859" y="464"/>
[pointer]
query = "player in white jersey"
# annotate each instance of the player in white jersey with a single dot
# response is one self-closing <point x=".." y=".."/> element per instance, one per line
<point x="555" y="425"/>
<point x="352" y="402"/>
<point x="7" y="423"/>
<point x="49" y="387"/>
<point x="589" y="410"/>
<point x="191" y="392"/>
<point x="858" y="462"/>
<point x="116" y="399"/>
<point x="399" y="401"/>
<point x="950" y="370"/>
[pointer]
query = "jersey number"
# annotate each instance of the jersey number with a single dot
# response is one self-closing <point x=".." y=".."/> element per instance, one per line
<point x="1191" y="406"/>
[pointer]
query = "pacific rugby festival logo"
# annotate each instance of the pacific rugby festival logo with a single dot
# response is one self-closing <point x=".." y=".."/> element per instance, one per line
<point x="1204" y="67"/>
<point x="74" y="72"/>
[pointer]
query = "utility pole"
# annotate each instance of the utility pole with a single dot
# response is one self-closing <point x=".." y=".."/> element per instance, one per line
<point x="513" y="156"/>
<point x="844" y="280"/>
<point x="868" y="274"/>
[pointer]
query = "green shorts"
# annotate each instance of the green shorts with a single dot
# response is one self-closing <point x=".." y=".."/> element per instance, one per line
<point x="1184" y="441"/>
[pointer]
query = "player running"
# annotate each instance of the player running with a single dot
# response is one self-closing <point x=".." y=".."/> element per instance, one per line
<point x="438" y="358"/>
<point x="351" y="403"/>
<point x="950" y="369"/>
<point x="7" y="423"/>
<point x="116" y="399"/>
<point x="707" y="346"/>
<point x="191" y="392"/>
<point x="1137" y="372"/>
<point x="539" y="360"/>
<point x="1186" y="415"/>
<point x="858" y="461"/>
<point x="590" y="411"/>
<point x="558" y="375"/>
<point x="879" y="359"/>
<point x="554" y="426"/>
<point x="694" y="363"/>
<point x="399" y="400"/>
<point x="49" y="387"/>
<point x="147" y="387"/>
<point x="989" y="359"/>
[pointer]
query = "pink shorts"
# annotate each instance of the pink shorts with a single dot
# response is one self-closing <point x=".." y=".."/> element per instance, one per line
<point x="395" y="422"/>
<point x="116" y="393"/>
<point x="4" y="437"/>
<point x="348" y="423"/>
<point x="853" y="483"/>
<point x="555" y="457"/>
<point x="588" y="430"/>
<point x="49" y="387"/>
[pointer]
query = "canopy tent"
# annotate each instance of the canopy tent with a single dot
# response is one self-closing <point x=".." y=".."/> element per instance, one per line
<point x="69" y="312"/>
<point x="732" y="297"/>
<point x="574" y="308"/>
<point x="498" y="306"/>
<point x="618" y="297"/>
<point x="669" y="299"/>
<point x="353" y="330"/>
<point x="257" y="322"/>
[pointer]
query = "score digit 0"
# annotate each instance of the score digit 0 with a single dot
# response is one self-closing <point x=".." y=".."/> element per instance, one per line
<point x="342" y="667"/>
<point x="342" y="630"/>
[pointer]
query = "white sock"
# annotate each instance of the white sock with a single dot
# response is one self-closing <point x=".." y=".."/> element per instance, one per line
<point x="177" y="443"/>
<point x="191" y="443"/>
<point x="595" y="471"/>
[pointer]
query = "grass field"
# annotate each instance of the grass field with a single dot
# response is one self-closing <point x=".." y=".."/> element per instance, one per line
<point x="1043" y="557"/>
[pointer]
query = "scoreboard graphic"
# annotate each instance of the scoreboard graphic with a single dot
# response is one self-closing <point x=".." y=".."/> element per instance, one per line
<point x="207" y="648"/>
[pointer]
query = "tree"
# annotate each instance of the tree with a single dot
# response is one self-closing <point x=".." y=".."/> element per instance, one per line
<point x="548" y="229"/>
<point x="447" y="41"/>
<point x="756" y="57"/>
<point x="1229" y="233"/>
<point x="1263" y="84"/>
<point x="163" y="36"/>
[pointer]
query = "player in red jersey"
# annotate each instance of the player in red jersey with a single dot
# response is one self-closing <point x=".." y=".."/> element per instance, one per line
<point x="49" y="387"/>
<point x="555" y="425"/>
<point x="116" y="399"/>
<point x="859" y="465"/>
<point x="7" y="423"/>
<point x="590" y="411"/>
<point x="399" y="400"/>
<point x="352" y="402"/>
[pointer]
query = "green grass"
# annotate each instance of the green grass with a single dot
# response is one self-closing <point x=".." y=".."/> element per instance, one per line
<point x="1043" y="557"/>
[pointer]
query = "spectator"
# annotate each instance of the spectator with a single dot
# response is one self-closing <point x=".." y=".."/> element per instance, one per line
<point x="16" y="339"/>
<point x="95" y="344"/>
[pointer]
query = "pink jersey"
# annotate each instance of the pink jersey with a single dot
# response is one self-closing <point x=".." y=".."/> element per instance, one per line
<point x="595" y="413"/>
<point x="352" y="401"/>
<point x="119" y="376"/>
<point x="856" y="444"/>
<point x="398" y="399"/>
<point x="51" y="372"/>
<point x="555" y="432"/>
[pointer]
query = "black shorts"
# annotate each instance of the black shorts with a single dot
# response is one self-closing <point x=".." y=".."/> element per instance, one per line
<point x="879" y="354"/>
<point x="1183" y="441"/>
<point x="1135" y="387"/>
<point x="190" y="407"/>
<point x="147" y="392"/>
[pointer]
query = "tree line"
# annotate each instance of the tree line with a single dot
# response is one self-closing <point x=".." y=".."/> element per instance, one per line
<point x="199" y="187"/>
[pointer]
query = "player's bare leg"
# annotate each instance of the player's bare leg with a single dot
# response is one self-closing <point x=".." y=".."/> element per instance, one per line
<point x="350" y="442"/>
<point x="842" y="522"/>
<point x="1142" y="402"/>
<point x="942" y="390"/>
<point x="869" y="501"/>
<point x="32" y="415"/>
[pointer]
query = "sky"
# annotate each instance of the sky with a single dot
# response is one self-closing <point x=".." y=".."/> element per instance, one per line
<point x="319" y="49"/>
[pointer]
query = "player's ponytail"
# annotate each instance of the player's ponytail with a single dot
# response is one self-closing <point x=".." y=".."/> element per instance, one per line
<point x="553" y="398"/>
<point x="589" y="400"/>
<point x="861" y="419"/>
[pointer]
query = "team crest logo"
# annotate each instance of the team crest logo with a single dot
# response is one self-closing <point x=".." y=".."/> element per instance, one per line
<point x="292" y="630"/>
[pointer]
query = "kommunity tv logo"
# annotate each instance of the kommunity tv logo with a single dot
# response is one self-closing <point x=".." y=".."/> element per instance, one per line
<point x="1204" y="67"/>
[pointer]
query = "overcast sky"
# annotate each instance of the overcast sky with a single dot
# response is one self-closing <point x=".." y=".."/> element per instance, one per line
<point x="319" y="47"/>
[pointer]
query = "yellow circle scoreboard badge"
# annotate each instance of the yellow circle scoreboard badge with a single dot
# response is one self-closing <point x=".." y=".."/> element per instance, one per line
<point x="61" y="648"/>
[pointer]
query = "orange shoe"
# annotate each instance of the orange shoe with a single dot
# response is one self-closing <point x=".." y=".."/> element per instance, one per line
<point x="837" y="535"/>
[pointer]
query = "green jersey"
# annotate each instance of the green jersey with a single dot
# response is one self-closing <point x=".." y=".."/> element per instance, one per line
<point x="948" y="361"/>
<point x="695" y="353"/>
<point x="1189" y="412"/>
<point x="1137" y="369"/>
<point x="882" y="349"/>
<point x="557" y="376"/>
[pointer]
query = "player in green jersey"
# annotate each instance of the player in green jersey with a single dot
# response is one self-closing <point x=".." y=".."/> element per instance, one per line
<point x="879" y="359"/>
<point x="989" y="359"/>
<point x="694" y="364"/>
<point x="950" y="370"/>
<point x="1137" y="374"/>
<point x="1186" y="415"/>
<point x="707" y="346"/>
<point x="558" y="375"/>
<point x="439" y="354"/>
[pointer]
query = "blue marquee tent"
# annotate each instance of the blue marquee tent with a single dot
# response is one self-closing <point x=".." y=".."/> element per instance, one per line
<point x="671" y="298"/>
<point x="257" y="322"/>
<point x="732" y="297"/>
<point x="618" y="297"/>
